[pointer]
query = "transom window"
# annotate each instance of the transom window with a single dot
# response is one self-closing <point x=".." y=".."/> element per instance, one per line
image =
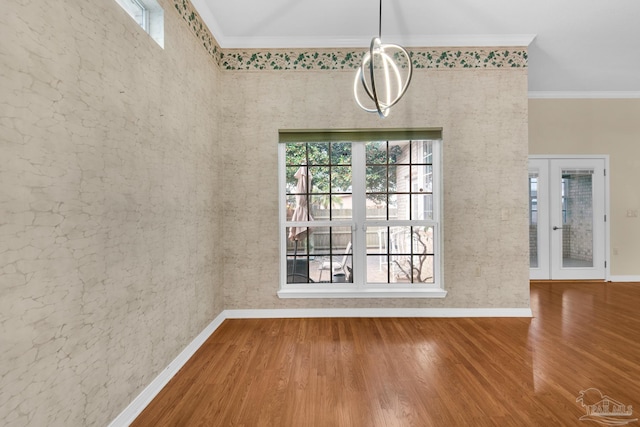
<point x="137" y="11"/>
<point x="360" y="215"/>
<point x="149" y="15"/>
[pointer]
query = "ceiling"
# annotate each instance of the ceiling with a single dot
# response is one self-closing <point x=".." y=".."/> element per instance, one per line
<point x="577" y="48"/>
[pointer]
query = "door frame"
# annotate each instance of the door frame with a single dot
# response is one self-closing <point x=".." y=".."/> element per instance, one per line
<point x="607" y="204"/>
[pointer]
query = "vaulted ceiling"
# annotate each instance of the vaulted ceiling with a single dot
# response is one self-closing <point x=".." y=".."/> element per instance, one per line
<point x="577" y="48"/>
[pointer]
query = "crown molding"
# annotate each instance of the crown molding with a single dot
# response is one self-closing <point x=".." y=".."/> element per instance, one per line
<point x="450" y="40"/>
<point x="584" y="94"/>
<point x="321" y="42"/>
<point x="207" y="16"/>
<point x="486" y="40"/>
<point x="500" y="51"/>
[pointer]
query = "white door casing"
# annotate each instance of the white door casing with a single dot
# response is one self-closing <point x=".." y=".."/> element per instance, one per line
<point x="571" y="224"/>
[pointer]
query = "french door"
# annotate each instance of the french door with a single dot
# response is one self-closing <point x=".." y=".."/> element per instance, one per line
<point x="567" y="223"/>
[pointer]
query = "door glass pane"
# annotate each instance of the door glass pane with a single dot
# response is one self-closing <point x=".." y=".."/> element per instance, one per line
<point x="533" y="220"/>
<point x="577" y="218"/>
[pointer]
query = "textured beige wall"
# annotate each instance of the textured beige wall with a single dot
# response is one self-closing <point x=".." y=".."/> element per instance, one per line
<point x="119" y="207"/>
<point x="483" y="114"/>
<point x="599" y="126"/>
<point x="109" y="207"/>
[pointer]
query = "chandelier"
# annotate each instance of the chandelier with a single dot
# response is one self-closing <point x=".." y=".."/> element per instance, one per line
<point x="384" y="75"/>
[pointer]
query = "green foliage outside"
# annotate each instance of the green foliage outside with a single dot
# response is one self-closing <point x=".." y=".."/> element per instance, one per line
<point x="330" y="167"/>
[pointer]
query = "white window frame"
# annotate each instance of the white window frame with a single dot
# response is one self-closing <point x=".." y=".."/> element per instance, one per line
<point x="359" y="224"/>
<point x="149" y="15"/>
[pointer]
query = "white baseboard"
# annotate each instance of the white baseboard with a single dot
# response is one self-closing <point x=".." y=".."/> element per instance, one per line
<point x="134" y="409"/>
<point x="624" y="278"/>
<point x="138" y="404"/>
<point x="379" y="312"/>
<point x="584" y="95"/>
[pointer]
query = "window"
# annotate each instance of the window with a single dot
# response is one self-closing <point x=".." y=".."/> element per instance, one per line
<point x="360" y="214"/>
<point x="148" y="14"/>
<point x="533" y="198"/>
<point x="137" y="11"/>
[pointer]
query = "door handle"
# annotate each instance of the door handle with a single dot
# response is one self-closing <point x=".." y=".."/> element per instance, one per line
<point x="557" y="228"/>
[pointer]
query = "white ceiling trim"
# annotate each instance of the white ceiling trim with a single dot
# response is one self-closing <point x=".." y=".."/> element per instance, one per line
<point x="581" y="57"/>
<point x="454" y="40"/>
<point x="484" y="40"/>
<point x="208" y="19"/>
<point x="584" y="95"/>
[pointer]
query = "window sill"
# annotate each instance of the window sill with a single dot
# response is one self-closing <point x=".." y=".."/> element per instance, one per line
<point x="352" y="292"/>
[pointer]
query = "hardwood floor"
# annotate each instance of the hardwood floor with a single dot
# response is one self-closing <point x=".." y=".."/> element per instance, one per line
<point x="416" y="371"/>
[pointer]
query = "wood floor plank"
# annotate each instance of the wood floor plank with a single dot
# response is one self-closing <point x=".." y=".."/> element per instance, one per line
<point x="415" y="371"/>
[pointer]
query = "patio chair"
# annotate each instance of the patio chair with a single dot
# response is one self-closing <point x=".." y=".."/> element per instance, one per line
<point x="335" y="267"/>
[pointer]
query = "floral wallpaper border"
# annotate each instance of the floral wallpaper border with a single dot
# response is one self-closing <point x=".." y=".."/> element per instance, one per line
<point x="198" y="28"/>
<point x="301" y="59"/>
<point x="335" y="59"/>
